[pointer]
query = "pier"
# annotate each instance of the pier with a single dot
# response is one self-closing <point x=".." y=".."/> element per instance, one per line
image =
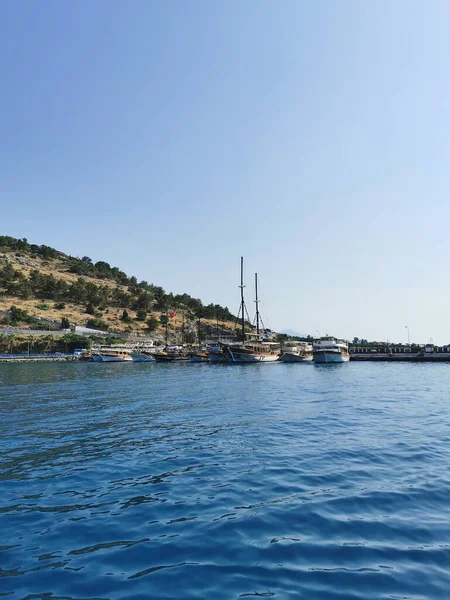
<point x="7" y="358"/>
<point x="396" y="353"/>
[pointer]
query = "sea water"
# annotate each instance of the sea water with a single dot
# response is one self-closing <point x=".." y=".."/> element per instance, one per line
<point x="327" y="482"/>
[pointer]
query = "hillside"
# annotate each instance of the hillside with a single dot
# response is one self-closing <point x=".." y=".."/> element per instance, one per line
<point x="50" y="286"/>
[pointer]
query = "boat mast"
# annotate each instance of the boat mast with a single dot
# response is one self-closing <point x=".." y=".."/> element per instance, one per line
<point x="182" y="328"/>
<point x="257" y="301"/>
<point x="242" y="300"/>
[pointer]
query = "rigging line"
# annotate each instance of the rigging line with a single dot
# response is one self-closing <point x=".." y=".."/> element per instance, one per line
<point x="238" y="317"/>
<point x="260" y="320"/>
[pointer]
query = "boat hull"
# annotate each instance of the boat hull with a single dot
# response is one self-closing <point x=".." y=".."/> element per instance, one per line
<point x="141" y="358"/>
<point x="198" y="358"/>
<point x="170" y="358"/>
<point x="246" y="357"/>
<point x="219" y="357"/>
<point x="325" y="357"/>
<point x="104" y="358"/>
<point x="290" y="357"/>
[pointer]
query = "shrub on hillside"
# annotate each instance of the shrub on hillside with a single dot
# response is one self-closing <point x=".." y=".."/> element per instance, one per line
<point x="18" y="315"/>
<point x="90" y="309"/>
<point x="152" y="324"/>
<point x="42" y="306"/>
<point x="97" y="324"/>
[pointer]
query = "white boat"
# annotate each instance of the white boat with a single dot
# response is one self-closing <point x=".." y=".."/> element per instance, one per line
<point x="111" y="356"/>
<point x="298" y="352"/>
<point x="252" y="352"/>
<point x="141" y="357"/>
<point x="330" y="350"/>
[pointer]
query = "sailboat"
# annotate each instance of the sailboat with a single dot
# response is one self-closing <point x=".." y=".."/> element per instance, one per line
<point x="171" y="352"/>
<point x="256" y="350"/>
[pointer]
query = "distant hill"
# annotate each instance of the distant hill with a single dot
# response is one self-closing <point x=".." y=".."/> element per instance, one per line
<point x="45" y="284"/>
<point x="293" y="333"/>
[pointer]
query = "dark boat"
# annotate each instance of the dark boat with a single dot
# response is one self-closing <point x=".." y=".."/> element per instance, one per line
<point x="170" y="356"/>
<point x="253" y="351"/>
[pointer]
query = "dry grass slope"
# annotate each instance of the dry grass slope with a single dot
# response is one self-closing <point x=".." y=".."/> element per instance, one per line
<point x="76" y="312"/>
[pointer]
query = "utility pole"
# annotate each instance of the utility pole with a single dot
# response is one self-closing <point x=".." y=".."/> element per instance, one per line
<point x="407" y="328"/>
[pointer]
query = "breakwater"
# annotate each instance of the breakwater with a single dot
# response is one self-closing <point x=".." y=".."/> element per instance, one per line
<point x="7" y="358"/>
<point x="404" y="356"/>
<point x="360" y="357"/>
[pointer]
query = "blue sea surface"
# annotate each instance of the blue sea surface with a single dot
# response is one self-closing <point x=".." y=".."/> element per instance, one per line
<point x="189" y="481"/>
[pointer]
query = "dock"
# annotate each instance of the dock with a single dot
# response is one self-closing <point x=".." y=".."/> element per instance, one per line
<point x="9" y="358"/>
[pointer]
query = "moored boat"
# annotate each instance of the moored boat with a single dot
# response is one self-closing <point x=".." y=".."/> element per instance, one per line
<point x="218" y="354"/>
<point x="257" y="351"/>
<point x="298" y="352"/>
<point x="139" y="357"/>
<point x="111" y="356"/>
<point x="170" y="356"/>
<point x="330" y="350"/>
<point x="198" y="356"/>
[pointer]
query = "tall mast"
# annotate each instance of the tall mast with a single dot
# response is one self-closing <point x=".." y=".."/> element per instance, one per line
<point x="182" y="328"/>
<point x="242" y="300"/>
<point x="257" y="303"/>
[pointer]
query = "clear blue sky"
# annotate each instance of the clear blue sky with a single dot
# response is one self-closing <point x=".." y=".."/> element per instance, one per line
<point x="170" y="138"/>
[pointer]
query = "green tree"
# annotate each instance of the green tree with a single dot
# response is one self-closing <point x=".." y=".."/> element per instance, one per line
<point x="141" y="315"/>
<point x="152" y="324"/>
<point x="90" y="309"/>
<point x="18" y="315"/>
<point x="125" y="317"/>
<point x="74" y="340"/>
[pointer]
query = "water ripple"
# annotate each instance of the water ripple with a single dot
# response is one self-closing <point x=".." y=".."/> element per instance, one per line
<point x="327" y="484"/>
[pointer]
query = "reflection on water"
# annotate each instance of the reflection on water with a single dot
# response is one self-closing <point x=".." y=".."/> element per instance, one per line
<point x="224" y="481"/>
